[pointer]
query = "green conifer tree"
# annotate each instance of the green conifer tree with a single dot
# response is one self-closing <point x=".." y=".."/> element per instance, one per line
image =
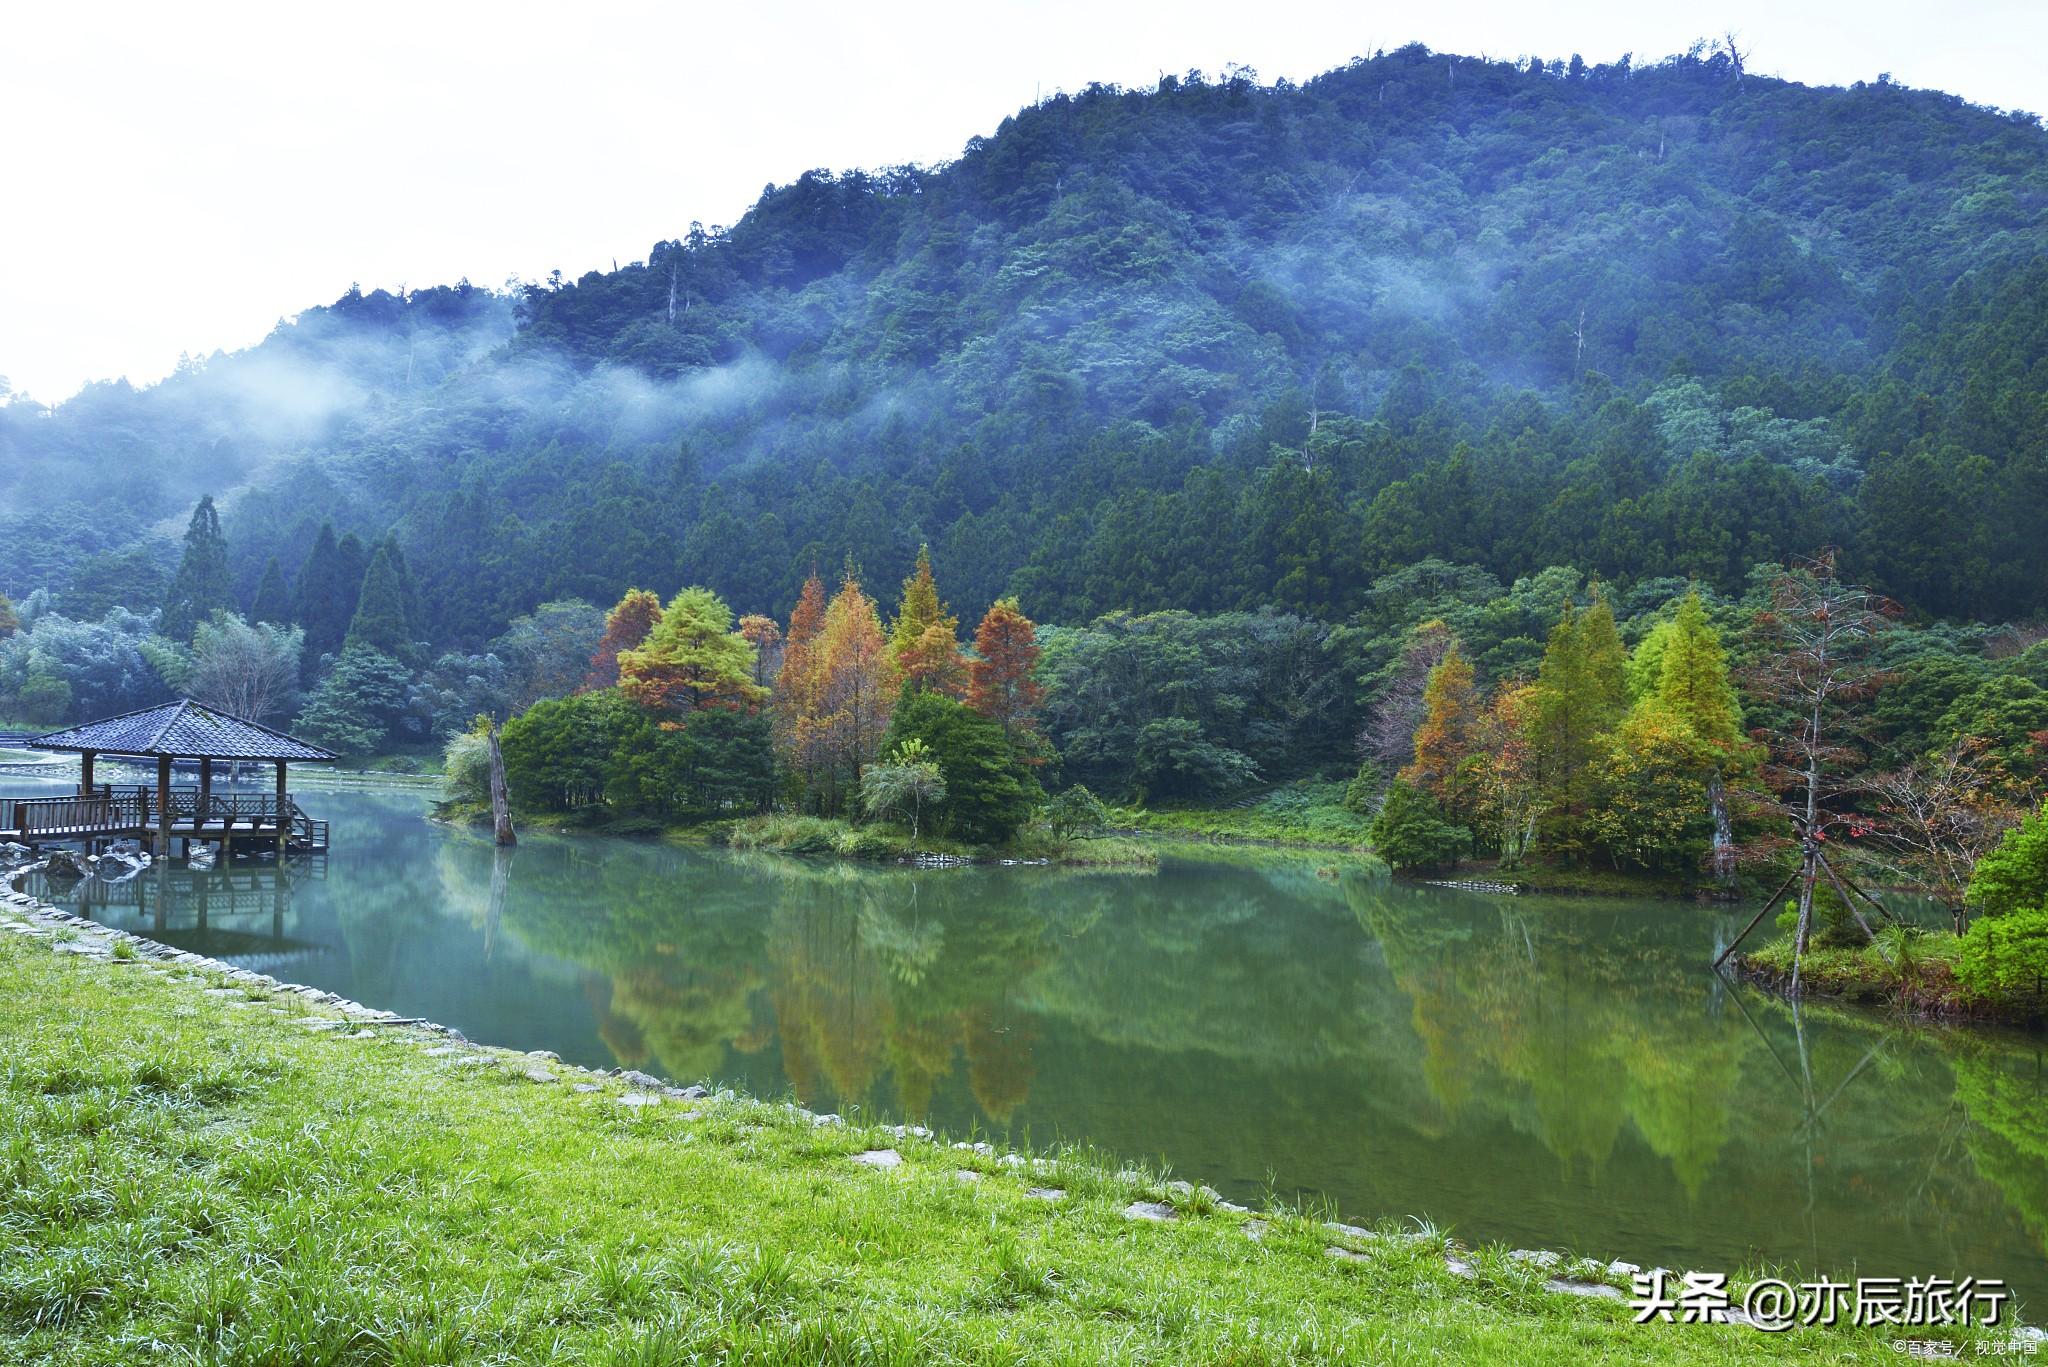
<point x="380" y="619"/>
<point x="408" y="591"/>
<point x="325" y="603"/>
<point x="272" y="602"/>
<point x="202" y="584"/>
<point x="920" y="609"/>
<point x="1693" y="683"/>
<point x="692" y="659"/>
<point x="1581" y="696"/>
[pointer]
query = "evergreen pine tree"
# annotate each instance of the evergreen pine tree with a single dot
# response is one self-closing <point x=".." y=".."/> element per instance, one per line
<point x="202" y="584"/>
<point x="272" y="602"/>
<point x="380" y="621"/>
<point x="352" y="563"/>
<point x="325" y="602"/>
<point x="408" y="591"/>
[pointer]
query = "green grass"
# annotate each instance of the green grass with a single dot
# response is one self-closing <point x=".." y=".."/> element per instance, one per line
<point x="1304" y="813"/>
<point x="186" y="1179"/>
<point x="782" y="833"/>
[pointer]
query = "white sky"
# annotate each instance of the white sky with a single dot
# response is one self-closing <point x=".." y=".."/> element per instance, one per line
<point x="181" y="175"/>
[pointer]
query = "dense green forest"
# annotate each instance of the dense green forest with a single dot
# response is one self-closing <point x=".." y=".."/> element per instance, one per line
<point x="1218" y="345"/>
<point x="1250" y="399"/>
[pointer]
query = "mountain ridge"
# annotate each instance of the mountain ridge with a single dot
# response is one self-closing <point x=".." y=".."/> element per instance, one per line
<point x="1398" y="311"/>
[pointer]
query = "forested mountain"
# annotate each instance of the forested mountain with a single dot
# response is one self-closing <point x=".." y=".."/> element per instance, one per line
<point x="1216" y="345"/>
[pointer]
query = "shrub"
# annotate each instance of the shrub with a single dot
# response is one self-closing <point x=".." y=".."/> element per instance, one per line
<point x="1363" y="792"/>
<point x="466" y="767"/>
<point x="2014" y="875"/>
<point x="989" y="791"/>
<point x="2006" y="956"/>
<point x="1410" y="832"/>
<point x="1075" y="812"/>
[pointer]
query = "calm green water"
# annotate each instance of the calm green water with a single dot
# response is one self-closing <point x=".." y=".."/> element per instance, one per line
<point x="1549" y="1072"/>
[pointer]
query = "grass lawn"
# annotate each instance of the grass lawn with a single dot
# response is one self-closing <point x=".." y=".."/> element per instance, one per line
<point x="191" y="1172"/>
<point x="1305" y="813"/>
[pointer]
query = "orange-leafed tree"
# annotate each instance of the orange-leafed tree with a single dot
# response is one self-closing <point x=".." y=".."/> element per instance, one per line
<point x="857" y="683"/>
<point x="933" y="662"/>
<point x="1444" y="740"/>
<point x="1502" y="773"/>
<point x="625" y="627"/>
<point x="692" y="659"/>
<point x="766" y="638"/>
<point x="924" y="640"/>
<point x="798" y="732"/>
<point x="1000" y="683"/>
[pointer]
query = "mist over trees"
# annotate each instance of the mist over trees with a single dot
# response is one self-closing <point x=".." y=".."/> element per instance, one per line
<point x="1213" y="346"/>
<point x="1419" y="400"/>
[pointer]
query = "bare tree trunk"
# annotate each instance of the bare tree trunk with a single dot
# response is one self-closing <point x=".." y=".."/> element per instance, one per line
<point x="501" y="798"/>
<point x="1724" y="834"/>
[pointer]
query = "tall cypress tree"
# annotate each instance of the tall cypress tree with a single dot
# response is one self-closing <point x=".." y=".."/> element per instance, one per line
<point x="380" y="620"/>
<point x="272" y="603"/>
<point x="925" y="639"/>
<point x="1693" y="681"/>
<point x="1581" y="695"/>
<point x="354" y="563"/>
<point x="326" y="597"/>
<point x="202" y="584"/>
<point x="408" y="591"/>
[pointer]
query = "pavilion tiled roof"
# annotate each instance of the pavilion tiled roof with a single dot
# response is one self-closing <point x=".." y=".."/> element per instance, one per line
<point x="182" y="730"/>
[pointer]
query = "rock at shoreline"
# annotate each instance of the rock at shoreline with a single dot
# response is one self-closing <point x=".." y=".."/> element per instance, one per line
<point x="879" y="1158"/>
<point x="63" y="865"/>
<point x="1155" y="1211"/>
<point x="1594" y="1290"/>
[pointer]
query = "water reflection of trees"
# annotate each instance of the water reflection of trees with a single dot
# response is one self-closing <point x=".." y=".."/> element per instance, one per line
<point x="1570" y="1059"/>
<point x="1561" y="1016"/>
<point x="2003" y="1092"/>
<point x="861" y="976"/>
<point x="1578" y="1024"/>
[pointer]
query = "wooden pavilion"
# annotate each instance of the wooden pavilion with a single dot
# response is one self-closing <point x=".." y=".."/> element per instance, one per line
<point x="182" y="730"/>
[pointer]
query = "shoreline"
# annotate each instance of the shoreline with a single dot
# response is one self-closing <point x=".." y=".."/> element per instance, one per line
<point x="1151" y="1199"/>
<point x="1919" y="1002"/>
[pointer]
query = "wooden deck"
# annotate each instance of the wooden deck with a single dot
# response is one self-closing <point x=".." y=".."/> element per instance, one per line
<point x="130" y="813"/>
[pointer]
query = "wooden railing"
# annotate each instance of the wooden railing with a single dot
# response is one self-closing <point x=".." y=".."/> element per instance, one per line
<point x="74" y="814"/>
<point x="133" y="807"/>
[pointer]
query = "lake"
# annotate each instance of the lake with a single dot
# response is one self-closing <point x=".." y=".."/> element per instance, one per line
<point x="1548" y="1072"/>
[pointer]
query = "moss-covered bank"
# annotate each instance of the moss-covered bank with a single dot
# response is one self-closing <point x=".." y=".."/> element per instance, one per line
<point x="1912" y="974"/>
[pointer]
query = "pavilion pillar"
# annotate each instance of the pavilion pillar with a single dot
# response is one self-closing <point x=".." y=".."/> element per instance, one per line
<point x="163" y="806"/>
<point x="85" y="774"/>
<point x="284" y="825"/>
<point x="205" y="789"/>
